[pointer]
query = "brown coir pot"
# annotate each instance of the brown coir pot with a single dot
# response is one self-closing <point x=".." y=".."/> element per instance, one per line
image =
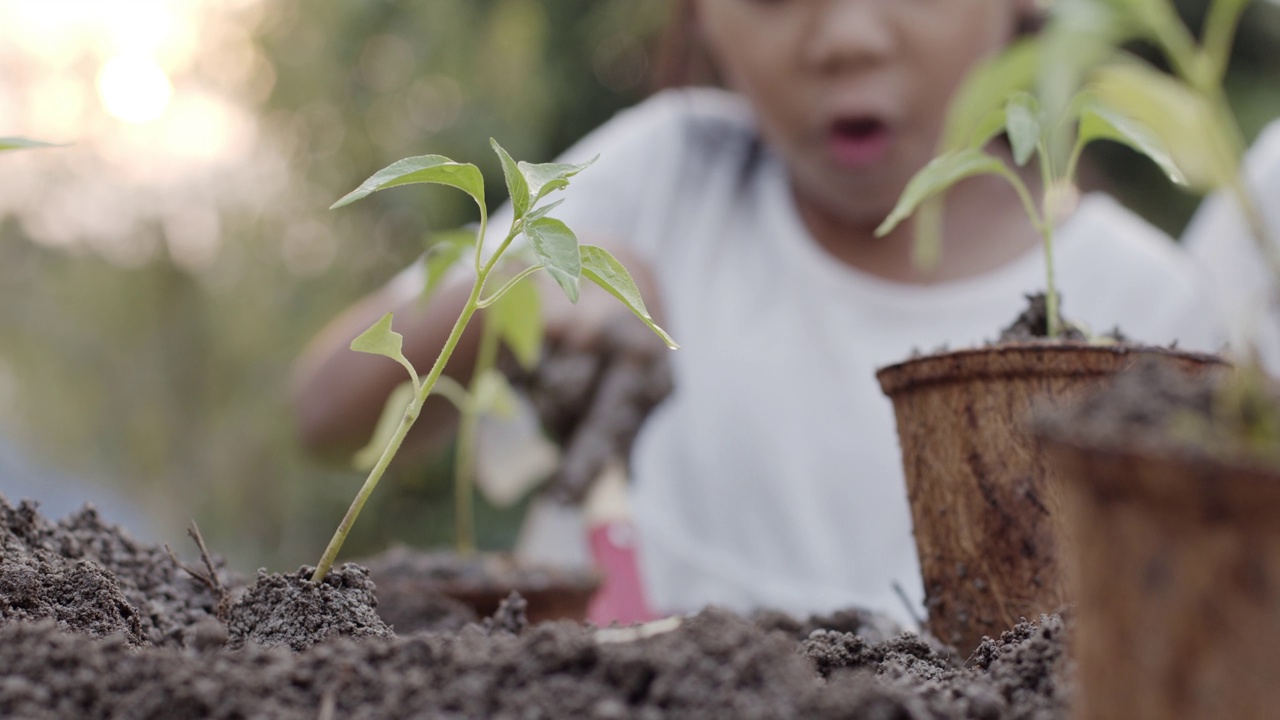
<point x="1176" y="569"/>
<point x="982" y="496"/>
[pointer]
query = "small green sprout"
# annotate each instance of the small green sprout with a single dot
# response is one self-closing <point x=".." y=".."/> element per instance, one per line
<point x="556" y="251"/>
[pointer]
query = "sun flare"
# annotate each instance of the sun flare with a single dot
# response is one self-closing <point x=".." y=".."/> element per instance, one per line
<point x="134" y="89"/>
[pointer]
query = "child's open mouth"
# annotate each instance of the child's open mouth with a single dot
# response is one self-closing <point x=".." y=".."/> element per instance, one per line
<point x="859" y="142"/>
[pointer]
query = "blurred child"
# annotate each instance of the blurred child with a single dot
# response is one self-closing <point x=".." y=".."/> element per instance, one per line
<point x="771" y="477"/>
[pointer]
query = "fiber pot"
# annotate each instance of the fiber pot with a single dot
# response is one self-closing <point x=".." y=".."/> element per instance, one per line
<point x="1176" y="567"/>
<point x="983" y="500"/>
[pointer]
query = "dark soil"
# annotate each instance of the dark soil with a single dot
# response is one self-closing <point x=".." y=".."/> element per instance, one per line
<point x="1232" y="417"/>
<point x="69" y="648"/>
<point x="291" y="610"/>
<point x="1033" y="325"/>
<point x="82" y="562"/>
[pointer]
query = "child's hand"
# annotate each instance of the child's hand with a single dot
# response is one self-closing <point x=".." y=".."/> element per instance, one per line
<point x="635" y="376"/>
<point x="603" y="372"/>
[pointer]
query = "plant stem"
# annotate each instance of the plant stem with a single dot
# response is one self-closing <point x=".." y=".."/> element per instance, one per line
<point x="464" y="471"/>
<point x="1219" y="34"/>
<point x="1054" y="326"/>
<point x="495" y="297"/>
<point x="1044" y="224"/>
<point x="410" y="416"/>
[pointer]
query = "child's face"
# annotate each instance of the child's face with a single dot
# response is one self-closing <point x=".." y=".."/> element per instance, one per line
<point x="853" y="93"/>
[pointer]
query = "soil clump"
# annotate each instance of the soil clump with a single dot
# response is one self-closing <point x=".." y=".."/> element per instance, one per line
<point x="291" y="610"/>
<point x="160" y="600"/>
<point x="1033" y="325"/>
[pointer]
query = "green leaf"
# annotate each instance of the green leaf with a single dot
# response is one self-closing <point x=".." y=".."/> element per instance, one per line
<point x="435" y="169"/>
<point x="21" y="143"/>
<point x="518" y="315"/>
<point x="445" y="252"/>
<point x="494" y="395"/>
<point x="926" y="250"/>
<point x="987" y="89"/>
<point x="542" y="211"/>
<point x="392" y="414"/>
<point x="517" y="186"/>
<point x="380" y="339"/>
<point x="939" y="175"/>
<point x="1182" y="121"/>
<point x="546" y="178"/>
<point x="557" y="247"/>
<point x="603" y="269"/>
<point x="1100" y="122"/>
<point x="1022" y="120"/>
<point x="992" y="125"/>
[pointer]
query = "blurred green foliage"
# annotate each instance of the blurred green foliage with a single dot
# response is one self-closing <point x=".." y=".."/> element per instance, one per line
<point x="1253" y="86"/>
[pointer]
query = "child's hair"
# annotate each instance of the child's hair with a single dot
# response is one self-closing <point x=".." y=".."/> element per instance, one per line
<point x="682" y="60"/>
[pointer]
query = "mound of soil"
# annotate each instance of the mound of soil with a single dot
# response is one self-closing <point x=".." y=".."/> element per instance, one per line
<point x="1033" y="325"/>
<point x="291" y="610"/>
<point x="333" y="657"/>
<point x="84" y="561"/>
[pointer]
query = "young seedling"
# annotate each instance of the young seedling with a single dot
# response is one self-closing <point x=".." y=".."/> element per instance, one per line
<point x="515" y="320"/>
<point x="1122" y="100"/>
<point x="554" y="246"/>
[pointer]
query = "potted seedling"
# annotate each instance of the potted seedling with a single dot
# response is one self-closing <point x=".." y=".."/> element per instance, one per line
<point x="1172" y="486"/>
<point x="983" y="500"/>
<point x="513" y="315"/>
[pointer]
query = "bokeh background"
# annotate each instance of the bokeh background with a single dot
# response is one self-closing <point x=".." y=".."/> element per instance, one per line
<point x="159" y="274"/>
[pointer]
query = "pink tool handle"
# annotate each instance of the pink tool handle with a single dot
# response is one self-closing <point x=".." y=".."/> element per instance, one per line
<point x="621" y="595"/>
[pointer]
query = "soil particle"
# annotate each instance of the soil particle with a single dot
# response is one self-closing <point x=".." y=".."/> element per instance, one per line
<point x="163" y="599"/>
<point x="1029" y="667"/>
<point x="81" y="597"/>
<point x="291" y="610"/>
<point x="510" y="617"/>
<point x="831" y="650"/>
<point x="871" y="626"/>
<point x="1023" y="676"/>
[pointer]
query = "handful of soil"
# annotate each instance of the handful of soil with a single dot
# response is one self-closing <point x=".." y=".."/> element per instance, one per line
<point x="593" y="400"/>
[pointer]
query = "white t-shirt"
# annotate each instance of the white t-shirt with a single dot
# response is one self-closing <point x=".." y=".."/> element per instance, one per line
<point x="1221" y="240"/>
<point x="772" y="478"/>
